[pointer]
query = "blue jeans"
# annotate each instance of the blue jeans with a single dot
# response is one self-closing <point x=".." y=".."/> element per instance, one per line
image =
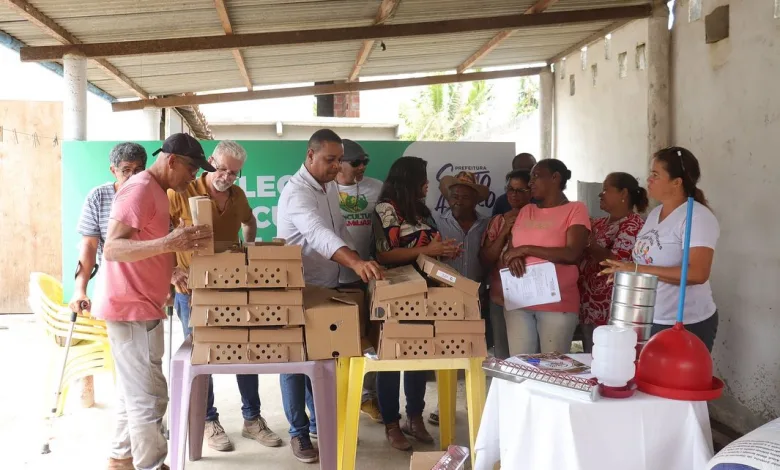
<point x="248" y="385"/>
<point x="388" y="393"/>
<point x="296" y="397"/>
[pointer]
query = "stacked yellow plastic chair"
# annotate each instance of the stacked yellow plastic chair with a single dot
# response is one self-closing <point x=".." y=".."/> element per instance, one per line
<point x="89" y="353"/>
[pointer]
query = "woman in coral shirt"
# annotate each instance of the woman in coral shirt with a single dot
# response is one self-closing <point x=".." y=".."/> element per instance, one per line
<point x="554" y="230"/>
<point x="611" y="237"/>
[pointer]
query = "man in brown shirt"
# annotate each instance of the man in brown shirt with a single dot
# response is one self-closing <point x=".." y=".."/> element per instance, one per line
<point x="231" y="212"/>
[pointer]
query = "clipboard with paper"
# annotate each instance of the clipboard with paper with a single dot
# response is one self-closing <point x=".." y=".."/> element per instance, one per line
<point x="538" y="286"/>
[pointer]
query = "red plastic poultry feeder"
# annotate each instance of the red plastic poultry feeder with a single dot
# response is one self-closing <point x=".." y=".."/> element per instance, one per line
<point x="675" y="363"/>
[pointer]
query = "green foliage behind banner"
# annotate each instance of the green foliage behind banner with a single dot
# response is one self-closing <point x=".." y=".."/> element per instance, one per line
<point x="269" y="164"/>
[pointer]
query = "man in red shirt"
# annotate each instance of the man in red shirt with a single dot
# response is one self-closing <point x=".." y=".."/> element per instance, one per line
<point x="131" y="291"/>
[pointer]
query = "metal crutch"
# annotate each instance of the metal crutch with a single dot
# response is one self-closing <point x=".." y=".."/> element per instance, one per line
<point x="73" y="315"/>
<point x="169" y="310"/>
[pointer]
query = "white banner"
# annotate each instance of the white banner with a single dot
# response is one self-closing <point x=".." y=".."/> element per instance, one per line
<point x="489" y="161"/>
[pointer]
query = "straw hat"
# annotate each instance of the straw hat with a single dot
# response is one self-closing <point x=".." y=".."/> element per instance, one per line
<point x="465" y="178"/>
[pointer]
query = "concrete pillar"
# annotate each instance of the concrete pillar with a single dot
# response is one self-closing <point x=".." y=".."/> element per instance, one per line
<point x="658" y="50"/>
<point x="74" y="127"/>
<point x="74" y="119"/>
<point x="546" y="98"/>
<point x="151" y="130"/>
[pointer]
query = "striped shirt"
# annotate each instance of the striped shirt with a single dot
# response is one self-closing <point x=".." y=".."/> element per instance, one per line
<point x="95" y="214"/>
<point x="467" y="263"/>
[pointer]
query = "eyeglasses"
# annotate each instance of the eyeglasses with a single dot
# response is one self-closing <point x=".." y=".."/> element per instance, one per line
<point x="517" y="191"/>
<point x="228" y="173"/>
<point x="357" y="163"/>
<point x="128" y="172"/>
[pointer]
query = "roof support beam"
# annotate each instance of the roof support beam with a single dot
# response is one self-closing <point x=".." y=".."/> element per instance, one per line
<point x="337" y="88"/>
<point x="225" y="20"/>
<point x="488" y="47"/>
<point x="386" y="10"/>
<point x="598" y="35"/>
<point x="205" y="43"/>
<point x="50" y="27"/>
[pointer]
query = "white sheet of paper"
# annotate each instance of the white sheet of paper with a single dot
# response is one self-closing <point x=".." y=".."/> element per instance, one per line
<point x="538" y="286"/>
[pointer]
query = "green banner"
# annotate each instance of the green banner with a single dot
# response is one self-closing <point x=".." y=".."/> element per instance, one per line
<point x="269" y="164"/>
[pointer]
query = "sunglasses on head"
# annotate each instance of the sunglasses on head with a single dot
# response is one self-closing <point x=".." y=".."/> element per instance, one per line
<point x="357" y="163"/>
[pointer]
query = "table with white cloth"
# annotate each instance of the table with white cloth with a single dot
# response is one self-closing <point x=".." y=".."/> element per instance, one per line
<point x="537" y="426"/>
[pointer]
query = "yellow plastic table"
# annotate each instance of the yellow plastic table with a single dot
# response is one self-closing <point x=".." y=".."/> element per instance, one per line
<point x="349" y="377"/>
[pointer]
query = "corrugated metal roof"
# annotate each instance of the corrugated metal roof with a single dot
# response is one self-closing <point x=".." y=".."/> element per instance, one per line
<point x="117" y="20"/>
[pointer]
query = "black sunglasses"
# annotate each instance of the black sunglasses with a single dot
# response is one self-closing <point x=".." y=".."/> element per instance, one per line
<point x="357" y="163"/>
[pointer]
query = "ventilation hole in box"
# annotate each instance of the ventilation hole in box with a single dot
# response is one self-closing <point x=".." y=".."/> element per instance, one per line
<point x="462" y="341"/>
<point x="434" y="303"/>
<point x="218" y="346"/>
<point x="404" y="342"/>
<point x="239" y="346"/>
<point x="239" y="358"/>
<point x="229" y="358"/>
<point x="335" y="354"/>
<point x="227" y="320"/>
<point x="216" y="309"/>
<point x="452" y="341"/>
<point x="415" y="353"/>
<point x="232" y="314"/>
<point x="278" y="307"/>
<point x="263" y="351"/>
<point x="417" y="303"/>
<point x="218" y="358"/>
<point x="333" y="327"/>
<point x="278" y="270"/>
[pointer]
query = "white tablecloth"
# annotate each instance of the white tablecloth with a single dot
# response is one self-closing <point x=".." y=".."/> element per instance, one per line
<point x="532" y="426"/>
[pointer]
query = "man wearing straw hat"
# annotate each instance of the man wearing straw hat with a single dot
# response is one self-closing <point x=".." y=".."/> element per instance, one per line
<point x="464" y="224"/>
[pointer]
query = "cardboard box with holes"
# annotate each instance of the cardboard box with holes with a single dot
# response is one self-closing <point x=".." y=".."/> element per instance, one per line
<point x="422" y="340"/>
<point x="451" y="296"/>
<point x="332" y="323"/>
<point x="240" y="345"/>
<point x="266" y="265"/>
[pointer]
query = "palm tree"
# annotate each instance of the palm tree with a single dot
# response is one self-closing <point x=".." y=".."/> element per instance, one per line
<point x="439" y="112"/>
<point x="527" y="97"/>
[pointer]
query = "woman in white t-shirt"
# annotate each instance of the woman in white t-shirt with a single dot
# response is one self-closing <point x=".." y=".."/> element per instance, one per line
<point x="659" y="245"/>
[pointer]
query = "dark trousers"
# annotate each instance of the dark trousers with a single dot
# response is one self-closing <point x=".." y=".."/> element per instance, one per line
<point x="705" y="330"/>
<point x="388" y="393"/>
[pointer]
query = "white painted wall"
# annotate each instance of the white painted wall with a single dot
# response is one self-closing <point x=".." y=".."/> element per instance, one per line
<point x="603" y="128"/>
<point x="726" y="109"/>
<point x="296" y="132"/>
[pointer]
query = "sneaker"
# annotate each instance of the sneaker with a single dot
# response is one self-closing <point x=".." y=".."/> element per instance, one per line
<point x="217" y="437"/>
<point x="433" y="418"/>
<point x="396" y="438"/>
<point x="258" y="430"/>
<point x="304" y="450"/>
<point x="415" y="427"/>
<point x="370" y="408"/>
<point x="120" y="464"/>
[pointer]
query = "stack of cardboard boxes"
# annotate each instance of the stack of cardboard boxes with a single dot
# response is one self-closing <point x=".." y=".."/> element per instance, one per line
<point x="250" y="305"/>
<point x="437" y="317"/>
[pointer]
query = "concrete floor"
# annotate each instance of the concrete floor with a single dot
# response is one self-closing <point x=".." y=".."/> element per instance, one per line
<point x="82" y="436"/>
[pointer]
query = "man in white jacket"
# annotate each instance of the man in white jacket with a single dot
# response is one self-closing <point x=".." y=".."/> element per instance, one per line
<point x="309" y="216"/>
